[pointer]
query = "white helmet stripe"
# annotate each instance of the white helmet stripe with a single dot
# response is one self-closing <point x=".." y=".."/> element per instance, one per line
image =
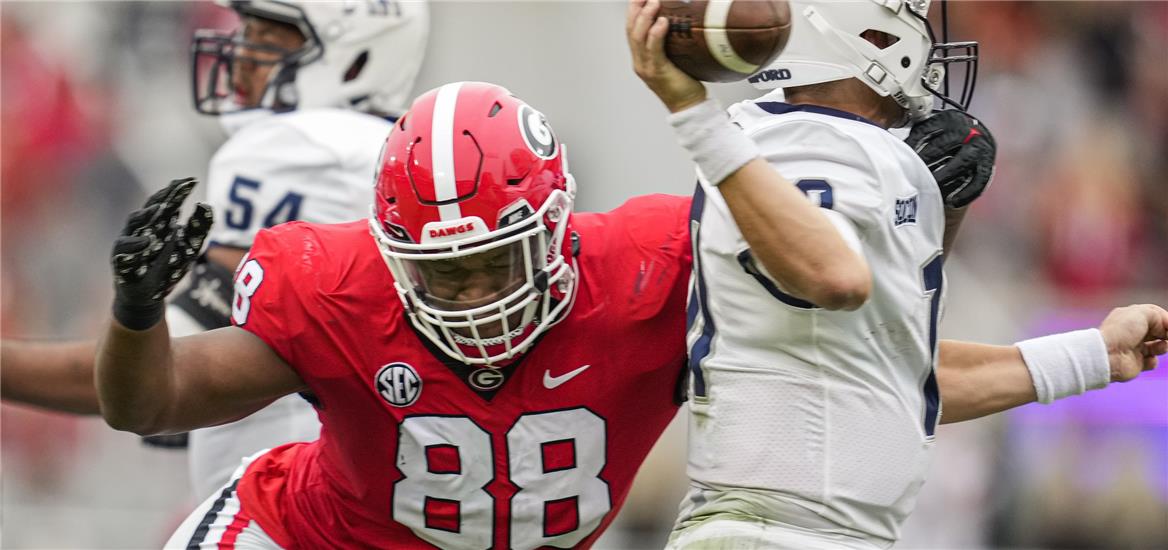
<point x="442" y="149"/>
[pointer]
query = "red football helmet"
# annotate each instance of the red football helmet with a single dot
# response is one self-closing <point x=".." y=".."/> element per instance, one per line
<point x="472" y="205"/>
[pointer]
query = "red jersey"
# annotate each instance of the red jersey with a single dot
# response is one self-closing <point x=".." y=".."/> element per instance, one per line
<point x="418" y="450"/>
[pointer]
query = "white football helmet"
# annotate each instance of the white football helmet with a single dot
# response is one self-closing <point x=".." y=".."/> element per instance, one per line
<point x="826" y="45"/>
<point x="357" y="54"/>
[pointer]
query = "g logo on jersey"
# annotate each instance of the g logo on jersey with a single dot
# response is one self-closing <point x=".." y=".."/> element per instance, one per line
<point x="536" y="133"/>
<point x="486" y="378"/>
<point x="398" y="384"/>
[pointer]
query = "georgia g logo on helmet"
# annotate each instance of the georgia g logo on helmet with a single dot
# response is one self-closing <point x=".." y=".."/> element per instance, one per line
<point x="537" y="134"/>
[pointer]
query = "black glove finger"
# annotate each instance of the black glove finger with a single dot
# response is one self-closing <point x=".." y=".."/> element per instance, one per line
<point x="938" y="163"/>
<point x="139" y="219"/>
<point x="176" y="254"/>
<point x="966" y="177"/>
<point x="925" y="144"/>
<point x="170" y="203"/>
<point x="160" y="195"/>
<point x="960" y="165"/>
<point x="202" y="218"/>
<point x="962" y="191"/>
<point x="195" y="232"/>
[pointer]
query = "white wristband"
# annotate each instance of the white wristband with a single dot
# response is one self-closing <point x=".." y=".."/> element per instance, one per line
<point x="1066" y="364"/>
<point x="717" y="146"/>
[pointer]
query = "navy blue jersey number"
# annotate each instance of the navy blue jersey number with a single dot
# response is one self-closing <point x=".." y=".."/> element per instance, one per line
<point x="821" y="194"/>
<point x="242" y="196"/>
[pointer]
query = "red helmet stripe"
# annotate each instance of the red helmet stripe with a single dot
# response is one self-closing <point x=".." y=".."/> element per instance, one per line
<point x="442" y="149"/>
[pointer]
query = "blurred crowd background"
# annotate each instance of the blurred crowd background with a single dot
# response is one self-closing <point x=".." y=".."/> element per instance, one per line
<point x="95" y="111"/>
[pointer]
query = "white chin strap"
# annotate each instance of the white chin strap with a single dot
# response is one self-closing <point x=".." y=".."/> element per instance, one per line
<point x="498" y="340"/>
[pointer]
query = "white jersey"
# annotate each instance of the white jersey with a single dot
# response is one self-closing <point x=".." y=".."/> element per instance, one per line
<point x="314" y="165"/>
<point x="819" y="420"/>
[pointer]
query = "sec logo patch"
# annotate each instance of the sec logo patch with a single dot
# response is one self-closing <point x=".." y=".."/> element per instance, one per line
<point x="399" y="384"/>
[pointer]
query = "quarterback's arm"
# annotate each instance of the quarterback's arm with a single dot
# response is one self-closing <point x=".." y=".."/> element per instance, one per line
<point x="795" y="242"/>
<point x="979" y="379"/>
<point x="149" y="383"/>
<point x="52" y="375"/>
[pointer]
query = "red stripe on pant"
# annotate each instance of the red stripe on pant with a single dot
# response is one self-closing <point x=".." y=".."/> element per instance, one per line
<point x="227" y="542"/>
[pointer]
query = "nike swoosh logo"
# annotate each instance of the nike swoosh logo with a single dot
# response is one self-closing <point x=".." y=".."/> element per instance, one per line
<point x="552" y="382"/>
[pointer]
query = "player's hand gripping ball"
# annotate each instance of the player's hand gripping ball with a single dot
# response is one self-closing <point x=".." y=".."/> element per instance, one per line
<point x="154" y="252"/>
<point x="725" y="40"/>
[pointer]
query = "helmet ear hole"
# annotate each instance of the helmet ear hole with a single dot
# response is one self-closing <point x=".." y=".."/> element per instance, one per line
<point x="880" y="39"/>
<point x="905" y="62"/>
<point x="356" y="67"/>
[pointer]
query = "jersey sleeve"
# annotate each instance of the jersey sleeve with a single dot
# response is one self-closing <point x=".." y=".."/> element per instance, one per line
<point x="265" y="302"/>
<point x="662" y="261"/>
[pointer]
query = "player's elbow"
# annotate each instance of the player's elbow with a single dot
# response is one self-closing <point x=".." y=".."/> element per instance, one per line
<point x="126" y="419"/>
<point x="125" y="423"/>
<point x="129" y="424"/>
<point x="846" y="290"/>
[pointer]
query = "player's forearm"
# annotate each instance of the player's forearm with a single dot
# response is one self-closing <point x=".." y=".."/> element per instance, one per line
<point x="53" y="375"/>
<point x="953" y="219"/>
<point x="978" y="379"/>
<point x="133" y="377"/>
<point x="793" y="240"/>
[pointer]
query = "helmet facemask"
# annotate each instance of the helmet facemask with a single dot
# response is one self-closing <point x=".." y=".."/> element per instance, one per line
<point x="532" y="288"/>
<point x="216" y="55"/>
<point x="358" y="56"/>
<point x="947" y="62"/>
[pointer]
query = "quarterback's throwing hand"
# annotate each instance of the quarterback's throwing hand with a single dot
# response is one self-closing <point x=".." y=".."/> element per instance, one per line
<point x="960" y="152"/>
<point x="646" y="33"/>
<point x="1135" y="336"/>
<point x="153" y="253"/>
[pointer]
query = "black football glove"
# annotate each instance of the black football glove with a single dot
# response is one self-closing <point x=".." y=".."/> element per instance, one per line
<point x="153" y="253"/>
<point x="960" y="152"/>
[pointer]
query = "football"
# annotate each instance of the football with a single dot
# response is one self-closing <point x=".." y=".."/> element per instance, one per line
<point x="725" y="40"/>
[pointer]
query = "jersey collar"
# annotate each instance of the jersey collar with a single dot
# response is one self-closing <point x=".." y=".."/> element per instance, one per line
<point x="779" y="107"/>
